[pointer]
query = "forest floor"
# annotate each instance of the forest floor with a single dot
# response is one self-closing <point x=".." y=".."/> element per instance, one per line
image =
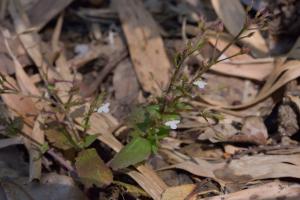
<point x="81" y="80"/>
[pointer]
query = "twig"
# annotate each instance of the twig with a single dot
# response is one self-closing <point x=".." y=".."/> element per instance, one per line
<point x="62" y="161"/>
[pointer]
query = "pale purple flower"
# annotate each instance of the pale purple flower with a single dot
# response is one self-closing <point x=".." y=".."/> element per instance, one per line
<point x="200" y="84"/>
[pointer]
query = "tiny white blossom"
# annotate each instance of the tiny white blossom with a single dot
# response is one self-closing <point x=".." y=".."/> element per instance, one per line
<point x="104" y="108"/>
<point x="81" y="49"/>
<point x="200" y="84"/>
<point x="172" y="124"/>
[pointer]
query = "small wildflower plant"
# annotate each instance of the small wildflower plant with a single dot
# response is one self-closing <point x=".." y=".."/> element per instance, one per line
<point x="151" y="123"/>
<point x="148" y="123"/>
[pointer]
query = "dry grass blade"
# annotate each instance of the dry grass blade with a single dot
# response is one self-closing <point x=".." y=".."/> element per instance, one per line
<point x="145" y="45"/>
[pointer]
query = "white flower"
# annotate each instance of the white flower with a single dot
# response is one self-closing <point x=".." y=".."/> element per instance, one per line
<point x="104" y="108"/>
<point x="172" y="124"/>
<point x="200" y="84"/>
<point x="81" y="49"/>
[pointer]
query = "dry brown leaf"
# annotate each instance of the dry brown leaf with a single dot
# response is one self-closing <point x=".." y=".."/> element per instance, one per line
<point x="94" y="52"/>
<point x="61" y="60"/>
<point x="126" y="89"/>
<point x="20" y="105"/>
<point x="242" y="65"/>
<point x="233" y="15"/>
<point x="278" y="78"/>
<point x="43" y="11"/>
<point x="274" y="190"/>
<point x="245" y="169"/>
<point x="253" y="131"/>
<point x="29" y="39"/>
<point x="24" y="81"/>
<point x="254" y="71"/>
<point x="145" y="45"/>
<point x="155" y="191"/>
<point x="179" y="192"/>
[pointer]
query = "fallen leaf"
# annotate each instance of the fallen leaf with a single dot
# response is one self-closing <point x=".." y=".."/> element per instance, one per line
<point x="244" y="169"/>
<point x="92" y="170"/>
<point x="146" y="47"/>
<point x="253" y="131"/>
<point x="274" y="190"/>
<point x="179" y="192"/>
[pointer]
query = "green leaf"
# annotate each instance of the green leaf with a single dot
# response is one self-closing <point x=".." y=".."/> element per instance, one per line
<point x="153" y="111"/>
<point x="89" y="139"/>
<point x="134" y="152"/>
<point x="170" y="117"/>
<point x="44" y="148"/>
<point x="162" y="132"/>
<point x="182" y="106"/>
<point x="15" y="126"/>
<point x="92" y="170"/>
<point x="154" y="148"/>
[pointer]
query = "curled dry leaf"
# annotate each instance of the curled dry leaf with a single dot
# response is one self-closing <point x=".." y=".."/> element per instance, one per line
<point x="245" y="169"/>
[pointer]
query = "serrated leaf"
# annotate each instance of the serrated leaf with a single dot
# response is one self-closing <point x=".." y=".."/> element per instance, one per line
<point x="92" y="170"/>
<point x="134" y="152"/>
